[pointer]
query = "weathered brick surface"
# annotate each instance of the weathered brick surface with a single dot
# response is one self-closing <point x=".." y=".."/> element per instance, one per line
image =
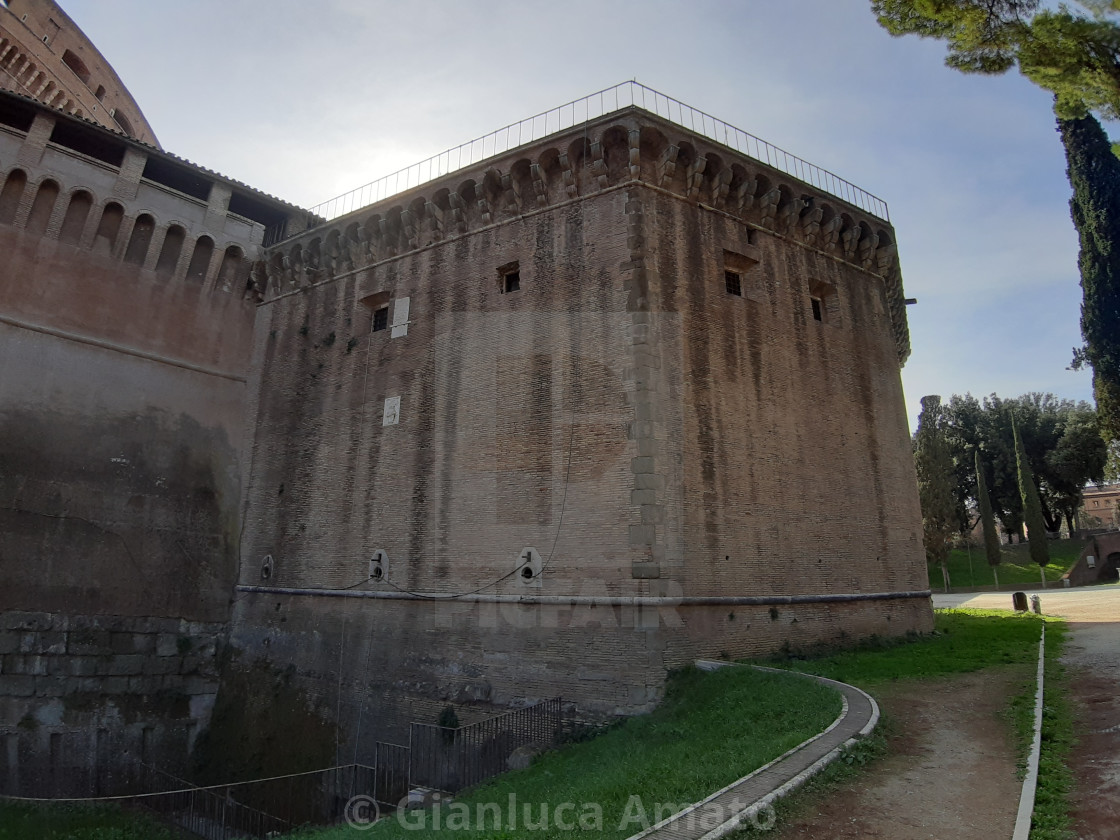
<point x="648" y="433"/>
<point x="76" y="687"/>
<point x="571" y="387"/>
<point x="121" y="421"/>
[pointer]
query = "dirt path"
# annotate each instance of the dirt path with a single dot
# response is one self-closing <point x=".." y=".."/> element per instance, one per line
<point x="951" y="771"/>
<point x="1093" y="658"/>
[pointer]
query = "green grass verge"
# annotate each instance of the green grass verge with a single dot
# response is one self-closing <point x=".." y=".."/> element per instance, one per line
<point x="1051" y="820"/>
<point x="23" y="821"/>
<point x="1015" y="568"/>
<point x="711" y="729"/>
<point x="963" y="640"/>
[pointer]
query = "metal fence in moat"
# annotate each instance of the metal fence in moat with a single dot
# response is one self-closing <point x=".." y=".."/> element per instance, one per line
<point x="448" y="759"/>
<point x="438" y="758"/>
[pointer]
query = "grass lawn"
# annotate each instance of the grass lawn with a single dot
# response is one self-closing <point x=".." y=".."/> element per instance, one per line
<point x="965" y="640"/>
<point x="1015" y="568"/>
<point x="20" y="821"/>
<point x="712" y="729"/>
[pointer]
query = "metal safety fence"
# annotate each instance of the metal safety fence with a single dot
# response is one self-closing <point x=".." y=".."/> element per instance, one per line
<point x="584" y="110"/>
<point x="438" y="758"/>
<point x="449" y="759"/>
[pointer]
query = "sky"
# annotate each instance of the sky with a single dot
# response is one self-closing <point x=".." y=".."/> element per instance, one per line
<point x="307" y="100"/>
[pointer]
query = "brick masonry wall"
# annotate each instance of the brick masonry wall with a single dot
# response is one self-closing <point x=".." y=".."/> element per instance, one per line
<point x="789" y="465"/>
<point x="122" y="400"/>
<point x="617" y="367"/>
<point x="87" y="691"/>
<point x="505" y="400"/>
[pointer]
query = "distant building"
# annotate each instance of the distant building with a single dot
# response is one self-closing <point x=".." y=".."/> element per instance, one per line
<point x="1101" y="507"/>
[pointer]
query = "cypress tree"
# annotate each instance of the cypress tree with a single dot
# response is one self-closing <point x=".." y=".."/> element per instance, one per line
<point x="1032" y="506"/>
<point x="1094" y="174"/>
<point x="988" y="522"/>
<point x="936" y="479"/>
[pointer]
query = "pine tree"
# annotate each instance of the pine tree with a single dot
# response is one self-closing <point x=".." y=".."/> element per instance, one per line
<point x="1032" y="507"/>
<point x="1076" y="57"/>
<point x="1094" y="173"/>
<point x="936" y="480"/>
<point x="988" y="522"/>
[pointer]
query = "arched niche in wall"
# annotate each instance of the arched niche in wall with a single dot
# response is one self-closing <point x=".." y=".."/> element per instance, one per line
<point x="77" y="65"/>
<point x="10" y="196"/>
<point x="75" y="220"/>
<point x="43" y="207"/>
<point x="171" y="250"/>
<point x="200" y="259"/>
<point x="140" y="240"/>
<point x="549" y="162"/>
<point x="229" y="275"/>
<point x="108" y="228"/>
<point x="122" y="121"/>
<point x="616" y="153"/>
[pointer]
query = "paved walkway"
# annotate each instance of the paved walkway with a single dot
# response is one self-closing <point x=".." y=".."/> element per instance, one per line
<point x="1083" y="604"/>
<point x="749" y="798"/>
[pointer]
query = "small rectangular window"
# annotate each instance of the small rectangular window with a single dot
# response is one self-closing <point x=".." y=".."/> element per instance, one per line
<point x="513" y="281"/>
<point x="741" y="275"/>
<point x="818" y="312"/>
<point x="734" y="283"/>
<point x="380" y="319"/>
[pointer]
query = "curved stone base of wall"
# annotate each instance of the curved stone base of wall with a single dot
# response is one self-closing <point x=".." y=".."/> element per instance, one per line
<point x="374" y="664"/>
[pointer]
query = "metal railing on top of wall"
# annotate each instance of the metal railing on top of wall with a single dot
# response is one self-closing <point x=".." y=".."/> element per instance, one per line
<point x="584" y="110"/>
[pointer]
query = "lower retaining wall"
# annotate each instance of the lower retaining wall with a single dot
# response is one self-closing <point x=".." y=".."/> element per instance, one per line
<point x="365" y="666"/>
<point x="84" y="691"/>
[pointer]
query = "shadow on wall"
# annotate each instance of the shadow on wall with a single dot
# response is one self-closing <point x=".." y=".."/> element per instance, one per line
<point x="122" y="515"/>
<point x="263" y="724"/>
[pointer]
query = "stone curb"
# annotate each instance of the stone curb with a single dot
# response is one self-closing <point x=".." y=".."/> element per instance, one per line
<point x="758" y="790"/>
<point x="1030" y="782"/>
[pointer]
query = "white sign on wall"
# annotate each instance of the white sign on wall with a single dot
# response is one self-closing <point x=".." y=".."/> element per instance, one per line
<point x="400" y="318"/>
<point x="392" y="414"/>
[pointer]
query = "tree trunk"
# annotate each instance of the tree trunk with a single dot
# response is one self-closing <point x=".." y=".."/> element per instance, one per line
<point x="945" y="576"/>
<point x="995" y="576"/>
<point x="1069" y="524"/>
<point x="1042" y="573"/>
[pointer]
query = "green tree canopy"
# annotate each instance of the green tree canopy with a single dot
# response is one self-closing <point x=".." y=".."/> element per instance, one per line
<point x="983" y="36"/>
<point x="1063" y="446"/>
<point x="987" y="520"/>
<point x="1094" y="173"/>
<point x="1075" y="56"/>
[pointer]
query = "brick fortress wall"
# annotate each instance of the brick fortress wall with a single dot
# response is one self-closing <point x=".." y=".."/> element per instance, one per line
<point x="666" y="457"/>
<point x="125" y="337"/>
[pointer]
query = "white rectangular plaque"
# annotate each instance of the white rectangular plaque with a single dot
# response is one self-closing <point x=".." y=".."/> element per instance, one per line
<point x="392" y="414"/>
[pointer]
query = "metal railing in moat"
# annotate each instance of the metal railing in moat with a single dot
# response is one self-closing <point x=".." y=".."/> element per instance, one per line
<point x="592" y="107"/>
<point x="437" y="758"/>
<point x="449" y="759"/>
